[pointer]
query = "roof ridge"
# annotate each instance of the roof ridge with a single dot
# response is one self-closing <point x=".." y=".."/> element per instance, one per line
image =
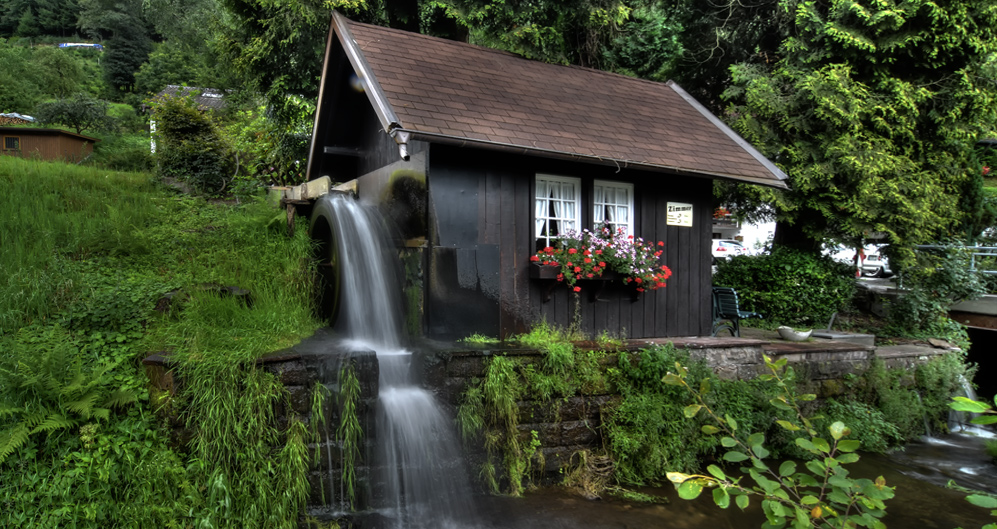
<point x="354" y="23"/>
<point x="503" y="52"/>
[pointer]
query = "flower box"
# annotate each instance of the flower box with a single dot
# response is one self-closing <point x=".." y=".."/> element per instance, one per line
<point x="595" y="287"/>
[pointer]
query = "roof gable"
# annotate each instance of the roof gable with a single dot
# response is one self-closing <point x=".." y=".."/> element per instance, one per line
<point x="443" y="91"/>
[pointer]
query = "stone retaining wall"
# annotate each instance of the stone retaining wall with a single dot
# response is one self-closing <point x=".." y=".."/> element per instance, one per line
<point x="564" y="426"/>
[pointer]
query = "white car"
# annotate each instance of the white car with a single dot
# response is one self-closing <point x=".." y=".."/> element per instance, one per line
<point x="725" y="249"/>
<point x="875" y="263"/>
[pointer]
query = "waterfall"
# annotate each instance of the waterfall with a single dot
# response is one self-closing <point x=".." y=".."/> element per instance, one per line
<point x="419" y="480"/>
<point x="959" y="421"/>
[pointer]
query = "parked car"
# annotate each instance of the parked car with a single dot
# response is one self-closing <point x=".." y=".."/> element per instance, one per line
<point x="875" y="263"/>
<point x="725" y="249"/>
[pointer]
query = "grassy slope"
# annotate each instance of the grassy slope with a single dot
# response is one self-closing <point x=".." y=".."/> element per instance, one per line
<point x="86" y="254"/>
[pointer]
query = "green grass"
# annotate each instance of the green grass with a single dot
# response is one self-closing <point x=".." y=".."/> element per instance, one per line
<point x="54" y="216"/>
<point x="87" y="254"/>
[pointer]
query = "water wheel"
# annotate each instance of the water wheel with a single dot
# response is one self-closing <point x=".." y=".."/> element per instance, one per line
<point x="326" y="253"/>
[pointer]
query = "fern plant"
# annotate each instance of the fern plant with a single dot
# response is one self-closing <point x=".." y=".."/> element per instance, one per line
<point x="46" y="386"/>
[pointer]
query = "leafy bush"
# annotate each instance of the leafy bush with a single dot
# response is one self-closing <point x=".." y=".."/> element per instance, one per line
<point x="789" y="286"/>
<point x="647" y="433"/>
<point x="938" y="279"/>
<point x="189" y="145"/>
<point x="824" y="495"/>
<point x="869" y="425"/>
<point x="267" y="153"/>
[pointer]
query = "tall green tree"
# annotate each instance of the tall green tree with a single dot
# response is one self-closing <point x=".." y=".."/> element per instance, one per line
<point x="39" y="17"/>
<point x="126" y="50"/>
<point x="634" y="37"/>
<point x="123" y="25"/>
<point x="872" y="107"/>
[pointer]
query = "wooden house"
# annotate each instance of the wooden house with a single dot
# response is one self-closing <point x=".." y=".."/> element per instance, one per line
<point x="481" y="157"/>
<point x="46" y="144"/>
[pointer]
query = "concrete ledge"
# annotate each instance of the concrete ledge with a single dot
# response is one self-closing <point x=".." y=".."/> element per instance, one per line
<point x="986" y="305"/>
<point x="841" y="336"/>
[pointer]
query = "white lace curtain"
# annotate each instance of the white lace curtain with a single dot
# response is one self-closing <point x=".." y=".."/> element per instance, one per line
<point x="555" y="208"/>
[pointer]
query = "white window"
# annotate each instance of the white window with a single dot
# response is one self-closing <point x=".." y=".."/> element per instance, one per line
<point x="557" y="207"/>
<point x="614" y="204"/>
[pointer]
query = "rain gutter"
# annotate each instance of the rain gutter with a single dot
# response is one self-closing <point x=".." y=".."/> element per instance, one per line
<point x="511" y="148"/>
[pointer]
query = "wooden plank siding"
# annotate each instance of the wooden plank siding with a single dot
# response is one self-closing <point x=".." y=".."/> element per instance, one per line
<point x="47" y="144"/>
<point x="482" y="203"/>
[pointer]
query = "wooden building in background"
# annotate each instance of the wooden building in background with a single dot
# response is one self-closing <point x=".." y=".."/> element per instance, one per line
<point x="477" y="154"/>
<point x="45" y="144"/>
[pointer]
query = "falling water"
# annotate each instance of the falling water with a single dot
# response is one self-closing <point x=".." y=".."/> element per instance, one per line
<point x="419" y="480"/>
<point x="959" y="421"/>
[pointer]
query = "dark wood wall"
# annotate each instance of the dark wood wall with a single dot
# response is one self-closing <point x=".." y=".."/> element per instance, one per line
<point x="481" y="239"/>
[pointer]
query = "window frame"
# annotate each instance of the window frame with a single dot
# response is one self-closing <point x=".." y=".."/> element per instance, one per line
<point x="597" y="214"/>
<point x="542" y="240"/>
<point x="17" y="139"/>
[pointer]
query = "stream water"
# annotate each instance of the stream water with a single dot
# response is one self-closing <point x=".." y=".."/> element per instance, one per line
<point x="919" y="474"/>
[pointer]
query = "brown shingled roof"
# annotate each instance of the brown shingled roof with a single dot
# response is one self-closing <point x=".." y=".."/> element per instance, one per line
<point x="447" y="91"/>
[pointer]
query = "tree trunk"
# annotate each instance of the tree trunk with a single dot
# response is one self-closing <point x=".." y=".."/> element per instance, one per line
<point x="793" y="236"/>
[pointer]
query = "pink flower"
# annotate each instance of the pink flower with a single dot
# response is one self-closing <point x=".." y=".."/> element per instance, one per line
<point x="572" y="251"/>
<point x="578" y="289"/>
<point x="534" y="258"/>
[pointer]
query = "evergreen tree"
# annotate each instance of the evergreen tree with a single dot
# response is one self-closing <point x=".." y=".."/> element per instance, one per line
<point x="27" y="26"/>
<point x="872" y="107"/>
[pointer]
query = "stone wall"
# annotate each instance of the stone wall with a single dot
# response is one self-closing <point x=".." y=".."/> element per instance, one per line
<point x="566" y="426"/>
